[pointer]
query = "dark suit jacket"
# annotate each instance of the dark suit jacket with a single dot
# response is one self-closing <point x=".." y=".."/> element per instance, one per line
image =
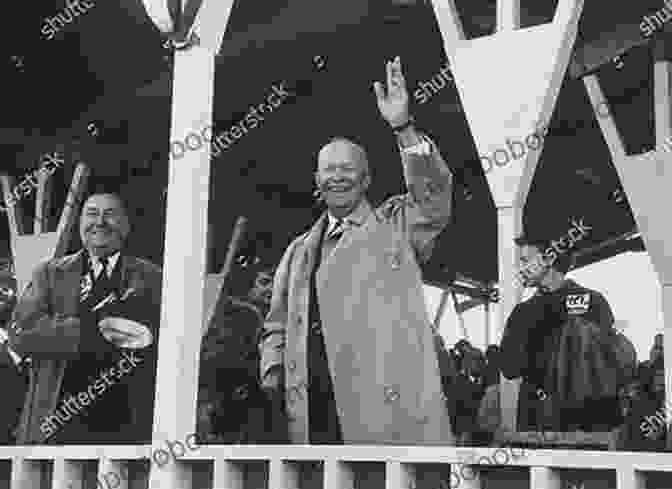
<point x="39" y="331"/>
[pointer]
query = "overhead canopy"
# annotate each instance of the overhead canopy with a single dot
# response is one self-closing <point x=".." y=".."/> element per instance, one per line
<point x="107" y="68"/>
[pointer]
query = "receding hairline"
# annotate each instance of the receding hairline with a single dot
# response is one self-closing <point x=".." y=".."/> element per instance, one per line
<point x="355" y="147"/>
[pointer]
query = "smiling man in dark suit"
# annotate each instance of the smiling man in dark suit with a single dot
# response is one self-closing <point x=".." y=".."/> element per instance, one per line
<point x="78" y="317"/>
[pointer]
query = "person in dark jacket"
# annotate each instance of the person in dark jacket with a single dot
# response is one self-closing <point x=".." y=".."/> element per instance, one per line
<point x="563" y="345"/>
<point x="90" y="324"/>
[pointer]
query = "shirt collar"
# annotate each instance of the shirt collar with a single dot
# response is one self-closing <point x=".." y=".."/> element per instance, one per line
<point x="96" y="266"/>
<point x="356" y="217"/>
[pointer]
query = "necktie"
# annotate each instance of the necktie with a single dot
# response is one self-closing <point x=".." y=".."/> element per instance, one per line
<point x="104" y="261"/>
<point x="337" y="230"/>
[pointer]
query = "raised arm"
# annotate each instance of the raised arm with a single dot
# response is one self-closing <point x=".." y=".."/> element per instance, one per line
<point x="428" y="179"/>
<point x="35" y="331"/>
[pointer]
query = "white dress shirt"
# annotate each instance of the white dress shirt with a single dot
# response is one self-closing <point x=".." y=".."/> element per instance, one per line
<point x="97" y="267"/>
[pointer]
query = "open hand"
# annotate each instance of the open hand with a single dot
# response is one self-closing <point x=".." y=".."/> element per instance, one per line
<point x="393" y="98"/>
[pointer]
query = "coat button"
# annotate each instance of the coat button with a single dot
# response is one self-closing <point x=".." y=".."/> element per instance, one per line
<point x="292" y="365"/>
<point x="391" y="394"/>
<point x="299" y="320"/>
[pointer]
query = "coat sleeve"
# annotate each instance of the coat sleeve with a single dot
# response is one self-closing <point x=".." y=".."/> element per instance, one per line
<point x="272" y="338"/>
<point x="514" y="348"/>
<point x="428" y="202"/>
<point x="35" y="331"/>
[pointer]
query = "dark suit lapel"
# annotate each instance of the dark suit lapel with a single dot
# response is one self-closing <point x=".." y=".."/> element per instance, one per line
<point x="310" y="245"/>
<point x="68" y="284"/>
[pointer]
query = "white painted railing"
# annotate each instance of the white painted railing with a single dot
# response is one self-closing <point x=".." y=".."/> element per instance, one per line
<point x="343" y="467"/>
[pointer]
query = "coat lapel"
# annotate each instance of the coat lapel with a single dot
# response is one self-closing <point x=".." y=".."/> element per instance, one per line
<point x="309" y="246"/>
<point x="67" y="284"/>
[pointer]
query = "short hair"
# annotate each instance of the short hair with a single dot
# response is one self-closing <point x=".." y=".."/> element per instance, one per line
<point x="360" y="149"/>
<point x="116" y="194"/>
<point x="562" y="263"/>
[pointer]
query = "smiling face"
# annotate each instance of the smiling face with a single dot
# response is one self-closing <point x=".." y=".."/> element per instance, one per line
<point x="104" y="225"/>
<point x="533" y="265"/>
<point x="342" y="176"/>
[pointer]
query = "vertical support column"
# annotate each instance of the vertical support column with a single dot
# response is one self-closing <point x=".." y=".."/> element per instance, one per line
<point x="399" y="475"/>
<point x="26" y="474"/>
<point x="283" y="474"/>
<point x="508" y="15"/>
<point x="228" y="475"/>
<point x="68" y="474"/>
<point x="667" y="350"/>
<point x="184" y="263"/>
<point x="545" y="478"/>
<point x="509" y="225"/>
<point x="113" y="470"/>
<point x="629" y="478"/>
<point x="338" y="475"/>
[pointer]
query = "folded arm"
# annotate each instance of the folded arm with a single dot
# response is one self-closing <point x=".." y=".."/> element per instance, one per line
<point x="35" y="331"/>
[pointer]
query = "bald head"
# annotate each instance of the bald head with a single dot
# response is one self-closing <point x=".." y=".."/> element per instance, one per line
<point x="342" y="150"/>
<point x="342" y="175"/>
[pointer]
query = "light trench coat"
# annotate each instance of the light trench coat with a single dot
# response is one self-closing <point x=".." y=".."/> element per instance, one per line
<point x="377" y="334"/>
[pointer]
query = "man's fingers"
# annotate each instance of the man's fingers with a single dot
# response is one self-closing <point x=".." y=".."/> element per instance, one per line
<point x="380" y="91"/>
<point x="390" y="75"/>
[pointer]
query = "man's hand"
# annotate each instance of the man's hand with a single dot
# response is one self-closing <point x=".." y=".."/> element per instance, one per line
<point x="273" y="382"/>
<point x="393" y="99"/>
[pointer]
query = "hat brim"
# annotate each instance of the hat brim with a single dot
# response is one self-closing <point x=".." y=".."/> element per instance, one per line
<point x="139" y="335"/>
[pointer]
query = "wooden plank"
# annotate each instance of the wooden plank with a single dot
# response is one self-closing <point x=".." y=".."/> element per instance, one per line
<point x="67" y="474"/>
<point x="400" y="475"/>
<point x="26" y="474"/>
<point x="228" y="475"/>
<point x="508" y="15"/>
<point x="338" y="475"/>
<point x="14" y="212"/>
<point x="42" y="202"/>
<point x="629" y="478"/>
<point x="283" y="474"/>
<point x="545" y="478"/>
<point x="73" y="203"/>
<point x="113" y="473"/>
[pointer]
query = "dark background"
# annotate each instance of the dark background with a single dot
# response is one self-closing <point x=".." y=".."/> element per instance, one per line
<point x="108" y="68"/>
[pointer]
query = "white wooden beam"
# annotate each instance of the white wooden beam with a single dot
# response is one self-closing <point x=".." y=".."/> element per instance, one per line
<point x="508" y="15"/>
<point x="185" y="255"/>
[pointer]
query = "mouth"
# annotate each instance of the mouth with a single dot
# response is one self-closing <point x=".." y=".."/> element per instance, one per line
<point x="340" y="189"/>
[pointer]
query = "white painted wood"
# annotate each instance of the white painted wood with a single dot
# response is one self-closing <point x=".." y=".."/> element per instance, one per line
<point x="449" y="21"/>
<point x="628" y="478"/>
<point x="210" y="23"/>
<point x="175" y="475"/>
<point x="283" y="474"/>
<point x="228" y="475"/>
<point x="604" y="118"/>
<point x="338" y="474"/>
<point x="509" y="222"/>
<point x="26" y="474"/>
<point x="185" y="253"/>
<point x="186" y="240"/>
<point x="531" y="91"/>
<point x="508" y="15"/>
<point x="545" y="478"/>
<point x="647" y="179"/>
<point x="67" y="474"/>
<point x="400" y="476"/>
<point x="114" y="473"/>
